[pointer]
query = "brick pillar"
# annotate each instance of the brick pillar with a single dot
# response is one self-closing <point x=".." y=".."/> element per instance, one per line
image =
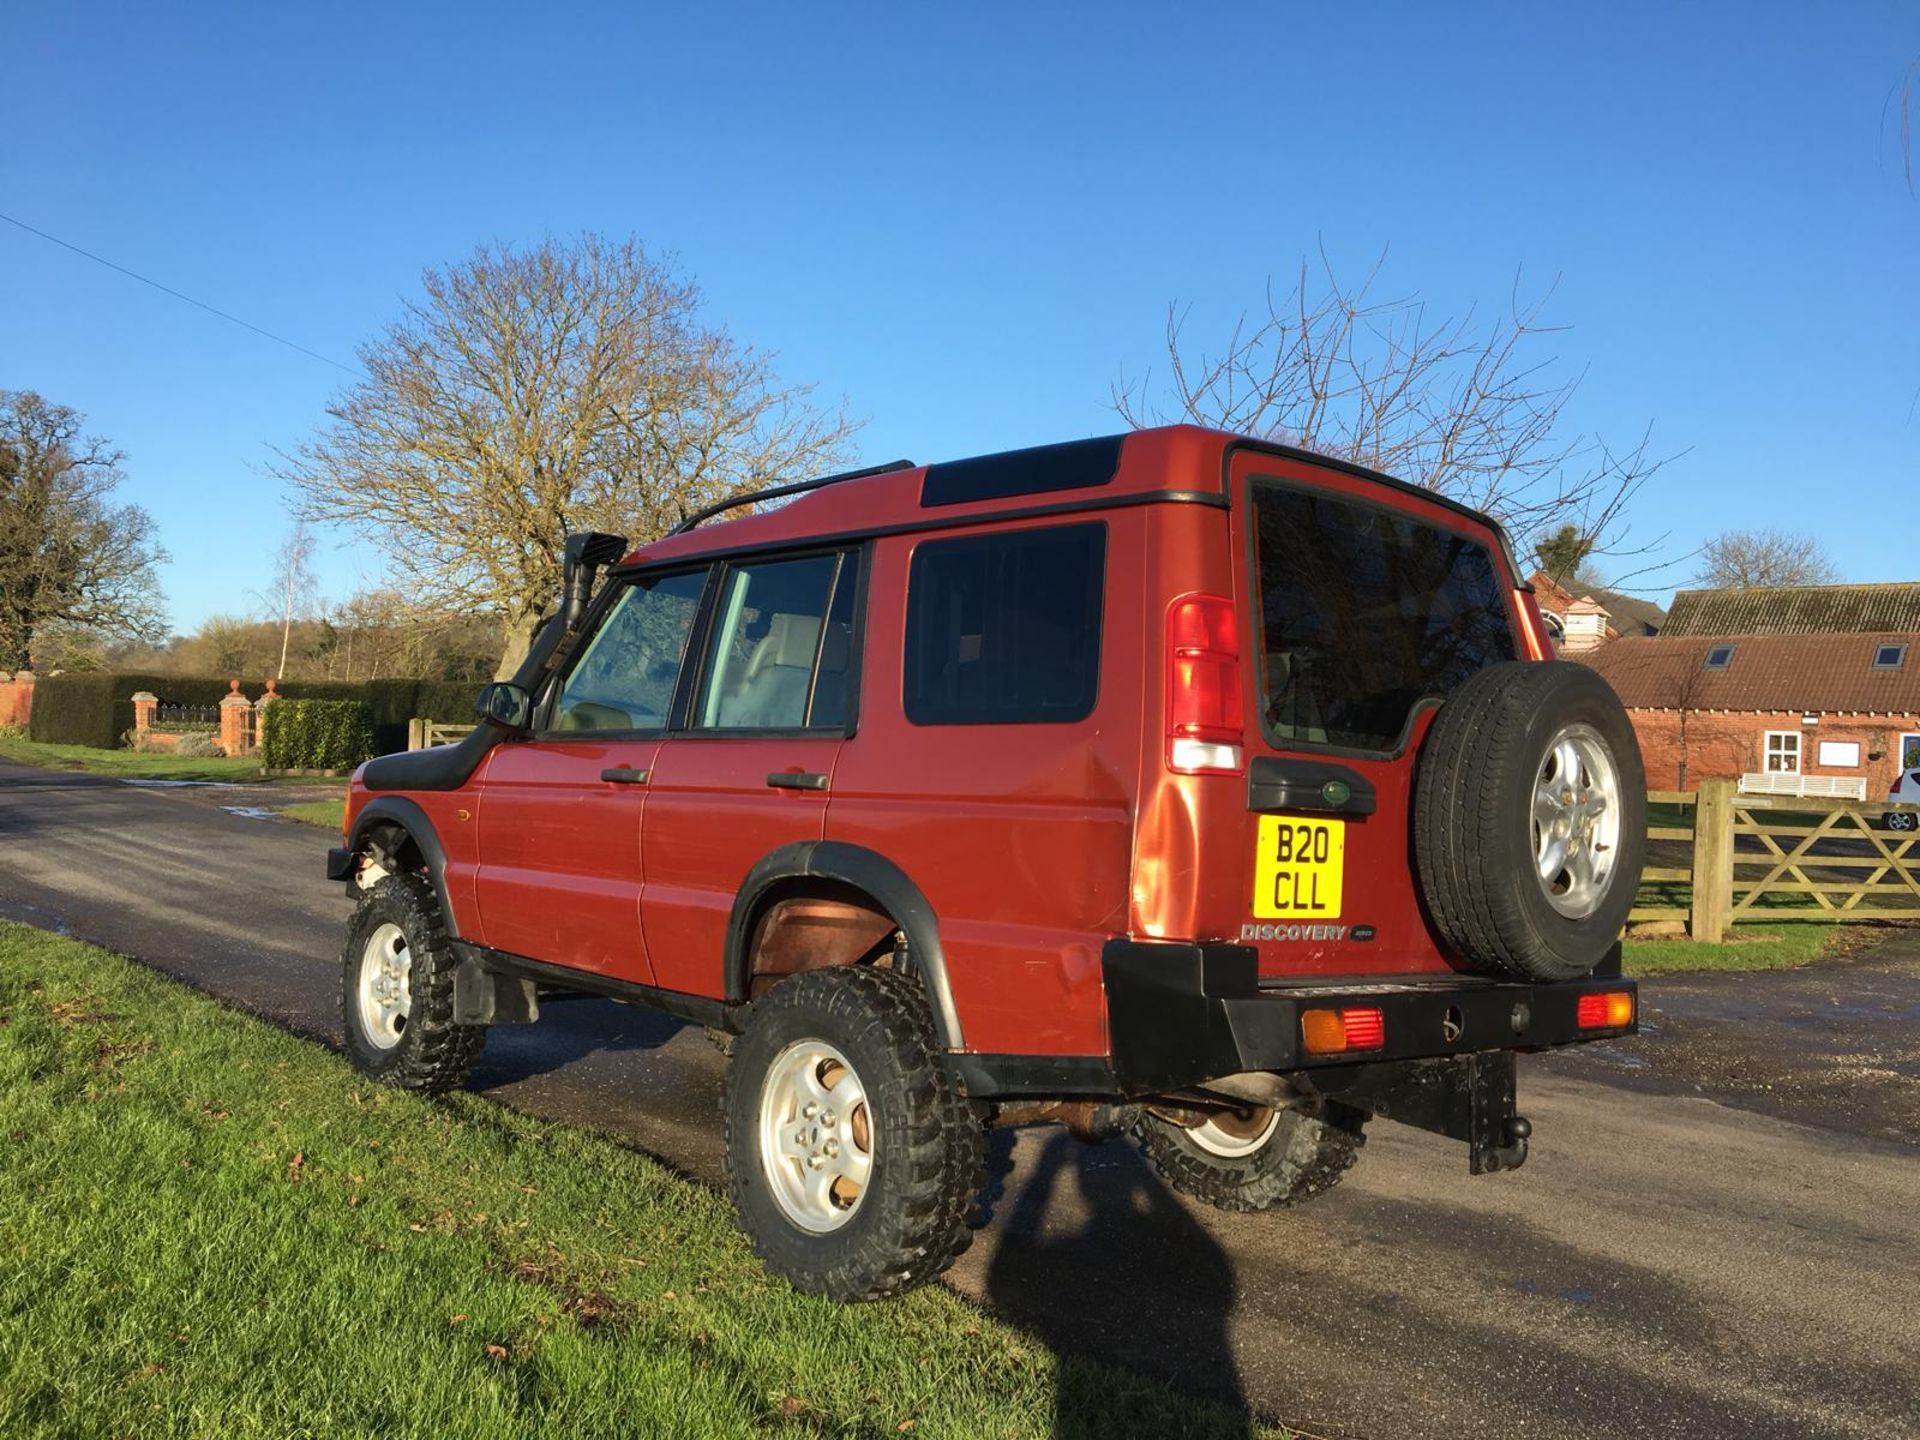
<point x="16" y="698"/>
<point x="236" y="721"/>
<point x="145" y="702"/>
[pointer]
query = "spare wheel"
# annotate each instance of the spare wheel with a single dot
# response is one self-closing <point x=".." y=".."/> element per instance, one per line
<point x="1530" y="819"/>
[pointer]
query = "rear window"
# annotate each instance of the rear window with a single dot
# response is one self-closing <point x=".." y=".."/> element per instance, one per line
<point x="1364" y="612"/>
<point x="1004" y="629"/>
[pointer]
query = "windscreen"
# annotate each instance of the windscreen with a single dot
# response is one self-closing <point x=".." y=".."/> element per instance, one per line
<point x="1363" y="612"/>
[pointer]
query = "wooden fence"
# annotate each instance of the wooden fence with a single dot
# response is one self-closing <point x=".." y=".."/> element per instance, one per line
<point x="1752" y="857"/>
<point x="424" y="734"/>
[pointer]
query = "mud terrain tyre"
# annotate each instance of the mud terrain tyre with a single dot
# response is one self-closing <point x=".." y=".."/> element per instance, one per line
<point x="854" y="1162"/>
<point x="396" y="991"/>
<point x="1269" y="1159"/>
<point x="1530" y="820"/>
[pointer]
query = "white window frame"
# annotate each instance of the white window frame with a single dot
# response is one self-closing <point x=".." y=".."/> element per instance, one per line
<point x="1769" y="752"/>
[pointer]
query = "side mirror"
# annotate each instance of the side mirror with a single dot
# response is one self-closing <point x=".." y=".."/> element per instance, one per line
<point x="505" y="704"/>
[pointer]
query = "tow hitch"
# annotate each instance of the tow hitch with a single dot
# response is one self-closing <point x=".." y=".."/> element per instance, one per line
<point x="1466" y="1097"/>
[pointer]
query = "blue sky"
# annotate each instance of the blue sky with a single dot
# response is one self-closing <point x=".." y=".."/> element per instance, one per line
<point x="968" y="222"/>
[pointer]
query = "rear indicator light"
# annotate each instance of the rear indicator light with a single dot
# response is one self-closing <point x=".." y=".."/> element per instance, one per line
<point x="1335" y="1032"/>
<point x="1206" y="725"/>
<point x="1606" y="1010"/>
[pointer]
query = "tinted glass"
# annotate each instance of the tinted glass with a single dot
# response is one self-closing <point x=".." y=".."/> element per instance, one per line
<point x="624" y="678"/>
<point x="1363" y="612"/>
<point x="766" y="638"/>
<point x="1005" y="629"/>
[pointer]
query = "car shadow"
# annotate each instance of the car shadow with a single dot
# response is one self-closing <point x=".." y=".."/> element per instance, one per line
<point x="1054" y="1273"/>
<point x="571" y="1028"/>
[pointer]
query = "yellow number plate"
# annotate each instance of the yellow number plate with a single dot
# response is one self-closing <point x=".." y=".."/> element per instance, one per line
<point x="1297" y="873"/>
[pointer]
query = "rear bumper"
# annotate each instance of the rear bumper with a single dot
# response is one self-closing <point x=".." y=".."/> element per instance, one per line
<point x="1181" y="1015"/>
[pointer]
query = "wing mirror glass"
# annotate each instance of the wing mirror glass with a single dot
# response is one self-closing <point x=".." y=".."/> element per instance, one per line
<point x="505" y="704"/>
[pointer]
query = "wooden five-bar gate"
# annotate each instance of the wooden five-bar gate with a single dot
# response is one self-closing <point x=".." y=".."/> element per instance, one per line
<point x="1775" y="858"/>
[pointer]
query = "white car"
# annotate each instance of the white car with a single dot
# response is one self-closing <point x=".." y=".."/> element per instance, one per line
<point x="1905" y="791"/>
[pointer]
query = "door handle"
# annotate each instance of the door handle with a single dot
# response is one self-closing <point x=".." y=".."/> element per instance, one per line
<point x="624" y="775"/>
<point x="797" y="780"/>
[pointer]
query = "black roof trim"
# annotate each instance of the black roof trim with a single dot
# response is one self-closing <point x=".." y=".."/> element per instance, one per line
<point x="776" y="492"/>
<point x="1072" y="465"/>
<point x="927" y="526"/>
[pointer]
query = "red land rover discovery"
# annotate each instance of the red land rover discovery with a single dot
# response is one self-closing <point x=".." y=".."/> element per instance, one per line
<point x="1173" y="783"/>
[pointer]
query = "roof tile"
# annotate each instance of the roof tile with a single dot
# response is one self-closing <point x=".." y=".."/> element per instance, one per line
<point x="1768" y="672"/>
<point x="1796" y="610"/>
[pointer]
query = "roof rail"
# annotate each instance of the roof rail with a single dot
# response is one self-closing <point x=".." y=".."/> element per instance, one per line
<point x="776" y="492"/>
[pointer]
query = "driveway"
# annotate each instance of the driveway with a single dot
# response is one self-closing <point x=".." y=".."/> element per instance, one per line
<point x="1667" y="1264"/>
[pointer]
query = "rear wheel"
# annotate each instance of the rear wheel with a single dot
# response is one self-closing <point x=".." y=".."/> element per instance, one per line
<point x="1530" y="819"/>
<point x="853" y="1159"/>
<point x="1902" y="820"/>
<point x="1256" y="1159"/>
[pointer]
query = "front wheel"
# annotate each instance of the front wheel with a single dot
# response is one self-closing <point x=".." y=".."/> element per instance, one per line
<point x="396" y="991"/>
<point x="1253" y="1160"/>
<point x="853" y="1159"/>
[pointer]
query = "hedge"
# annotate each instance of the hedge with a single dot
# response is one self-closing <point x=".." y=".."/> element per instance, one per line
<point x="97" y="709"/>
<point x="316" y="734"/>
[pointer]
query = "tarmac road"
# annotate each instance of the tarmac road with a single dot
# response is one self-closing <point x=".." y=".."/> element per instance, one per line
<point x="1665" y="1264"/>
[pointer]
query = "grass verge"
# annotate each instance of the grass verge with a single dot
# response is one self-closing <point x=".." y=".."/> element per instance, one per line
<point x="1751" y="947"/>
<point x="328" y="814"/>
<point x="129" y="764"/>
<point x="211" y="1228"/>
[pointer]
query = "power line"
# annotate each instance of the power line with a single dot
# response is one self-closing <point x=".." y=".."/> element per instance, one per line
<point x="169" y="290"/>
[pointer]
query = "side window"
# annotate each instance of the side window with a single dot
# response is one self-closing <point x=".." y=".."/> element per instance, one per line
<point x="1004" y="629"/>
<point x="782" y="640"/>
<point x="625" y="676"/>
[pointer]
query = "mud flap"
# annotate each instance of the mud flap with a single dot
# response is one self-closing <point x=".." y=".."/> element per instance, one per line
<point x="481" y="997"/>
<point x="1468" y="1097"/>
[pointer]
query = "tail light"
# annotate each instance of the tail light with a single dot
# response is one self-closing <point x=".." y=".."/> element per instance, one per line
<point x="1334" y="1032"/>
<point x="1605" y="1010"/>
<point x="1206" y="724"/>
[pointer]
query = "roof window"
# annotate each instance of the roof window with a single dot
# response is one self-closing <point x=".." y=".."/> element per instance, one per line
<point x="1889" y="657"/>
<point x="1719" y="657"/>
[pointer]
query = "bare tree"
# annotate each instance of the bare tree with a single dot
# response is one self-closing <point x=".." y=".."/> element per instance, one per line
<point x="293" y="587"/>
<point x="1736" y="559"/>
<point x="532" y="392"/>
<point x="71" y="561"/>
<point x="1464" y="408"/>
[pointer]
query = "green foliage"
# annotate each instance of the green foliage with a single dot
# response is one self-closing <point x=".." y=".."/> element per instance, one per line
<point x="1562" y="553"/>
<point x="316" y="734"/>
<point x="98" y="709"/>
<point x="76" y="710"/>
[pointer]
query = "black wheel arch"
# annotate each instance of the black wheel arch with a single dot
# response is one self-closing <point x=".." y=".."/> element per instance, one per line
<point x="864" y="870"/>
<point x="398" y="812"/>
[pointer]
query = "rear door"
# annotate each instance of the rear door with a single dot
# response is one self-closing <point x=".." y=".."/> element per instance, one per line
<point x="1367" y="607"/>
<point x="560" y="814"/>
<point x="752" y="767"/>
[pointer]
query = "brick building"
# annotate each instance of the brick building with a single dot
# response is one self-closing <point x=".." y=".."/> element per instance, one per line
<point x="1808" y="704"/>
<point x="1591" y="617"/>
